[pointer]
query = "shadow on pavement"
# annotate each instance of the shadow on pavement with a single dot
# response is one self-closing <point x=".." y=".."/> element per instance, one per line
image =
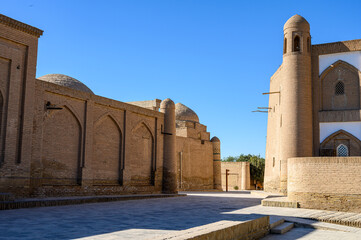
<point x="76" y="221"/>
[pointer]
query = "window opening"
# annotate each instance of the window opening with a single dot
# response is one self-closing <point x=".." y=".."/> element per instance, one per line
<point x="285" y="46"/>
<point x="339" y="88"/>
<point x="342" y="150"/>
<point x="296" y="44"/>
<point x="274" y="162"/>
<point x="308" y="45"/>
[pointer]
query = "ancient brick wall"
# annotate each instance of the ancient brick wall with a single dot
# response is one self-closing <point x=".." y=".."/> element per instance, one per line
<point x="59" y="139"/>
<point x="18" y="55"/>
<point x="274" y="124"/>
<point x="332" y="183"/>
<point x="86" y="144"/>
<point x="239" y="176"/>
<point x="195" y="163"/>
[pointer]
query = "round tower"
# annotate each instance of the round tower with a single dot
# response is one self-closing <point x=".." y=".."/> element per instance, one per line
<point x="245" y="176"/>
<point x="217" y="177"/>
<point x="169" y="147"/>
<point x="295" y="94"/>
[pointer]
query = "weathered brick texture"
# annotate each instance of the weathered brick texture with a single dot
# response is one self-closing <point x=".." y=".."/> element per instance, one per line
<point x="332" y="183"/>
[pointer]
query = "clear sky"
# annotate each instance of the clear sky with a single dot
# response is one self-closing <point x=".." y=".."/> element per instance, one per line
<point x="216" y="57"/>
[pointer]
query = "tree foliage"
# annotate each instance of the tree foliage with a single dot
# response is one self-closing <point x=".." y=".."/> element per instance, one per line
<point x="257" y="164"/>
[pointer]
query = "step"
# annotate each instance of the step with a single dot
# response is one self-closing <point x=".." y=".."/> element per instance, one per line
<point x="283" y="228"/>
<point x="279" y="202"/>
<point x="276" y="223"/>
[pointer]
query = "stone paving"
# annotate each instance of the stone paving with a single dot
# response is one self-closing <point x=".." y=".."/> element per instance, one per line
<point x="141" y="219"/>
<point x="312" y="234"/>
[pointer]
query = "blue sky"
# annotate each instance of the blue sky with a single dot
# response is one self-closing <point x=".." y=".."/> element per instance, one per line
<point x="214" y="56"/>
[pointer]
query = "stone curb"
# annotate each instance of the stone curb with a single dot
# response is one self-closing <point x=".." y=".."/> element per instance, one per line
<point x="47" y="202"/>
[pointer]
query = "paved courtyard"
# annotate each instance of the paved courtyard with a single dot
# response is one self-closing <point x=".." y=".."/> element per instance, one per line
<point x="142" y="219"/>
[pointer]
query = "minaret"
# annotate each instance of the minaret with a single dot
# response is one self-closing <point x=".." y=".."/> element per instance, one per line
<point x="217" y="177"/>
<point x="295" y="94"/>
<point x="169" y="147"/>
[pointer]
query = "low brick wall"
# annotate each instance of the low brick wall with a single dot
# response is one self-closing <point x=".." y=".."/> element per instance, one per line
<point x="225" y="230"/>
<point x="48" y="202"/>
<point x="329" y="183"/>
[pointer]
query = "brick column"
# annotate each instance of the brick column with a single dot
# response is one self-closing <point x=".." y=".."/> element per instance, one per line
<point x="169" y="150"/>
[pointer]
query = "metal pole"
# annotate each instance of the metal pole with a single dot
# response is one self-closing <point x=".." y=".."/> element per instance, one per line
<point x="227" y="170"/>
<point x="181" y="170"/>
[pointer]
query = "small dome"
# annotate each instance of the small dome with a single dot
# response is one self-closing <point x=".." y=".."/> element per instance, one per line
<point x="184" y="113"/>
<point x="66" y="81"/>
<point x="215" y="139"/>
<point x="167" y="103"/>
<point x="297" y="21"/>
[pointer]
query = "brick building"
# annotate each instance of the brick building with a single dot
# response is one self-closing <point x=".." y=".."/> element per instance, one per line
<point x="57" y="138"/>
<point x="314" y="124"/>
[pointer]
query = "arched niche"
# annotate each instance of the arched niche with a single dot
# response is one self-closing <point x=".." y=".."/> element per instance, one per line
<point x="329" y="146"/>
<point x="340" y="74"/>
<point x="61" y="148"/>
<point x="141" y="161"/>
<point x="296" y="44"/>
<point x="107" y="145"/>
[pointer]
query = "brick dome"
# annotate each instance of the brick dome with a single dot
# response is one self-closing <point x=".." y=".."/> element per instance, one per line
<point x="215" y="139"/>
<point x="297" y="21"/>
<point x="66" y="81"/>
<point x="184" y="113"/>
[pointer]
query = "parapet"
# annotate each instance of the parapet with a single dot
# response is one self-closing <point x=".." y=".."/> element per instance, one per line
<point x="20" y="26"/>
<point x="149" y="104"/>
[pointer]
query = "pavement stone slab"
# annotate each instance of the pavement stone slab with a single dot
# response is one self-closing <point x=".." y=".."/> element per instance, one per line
<point x="140" y="219"/>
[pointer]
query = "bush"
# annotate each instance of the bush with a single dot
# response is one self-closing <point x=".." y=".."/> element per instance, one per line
<point x="235" y="187"/>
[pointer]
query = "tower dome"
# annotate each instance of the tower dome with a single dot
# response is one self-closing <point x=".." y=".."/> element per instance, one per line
<point x="167" y="103"/>
<point x="66" y="81"/>
<point x="184" y="113"/>
<point x="297" y="21"/>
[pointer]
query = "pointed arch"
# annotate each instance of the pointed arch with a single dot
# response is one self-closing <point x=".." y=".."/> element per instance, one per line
<point x="68" y="106"/>
<point x="107" y="149"/>
<point x="331" y="143"/>
<point x="339" y="88"/>
<point x="336" y="64"/>
<point x="337" y="74"/>
<point x="104" y="116"/>
<point x="143" y="124"/>
<point x="142" y="161"/>
<point x="342" y="150"/>
<point x="296" y="44"/>
<point x="61" y="152"/>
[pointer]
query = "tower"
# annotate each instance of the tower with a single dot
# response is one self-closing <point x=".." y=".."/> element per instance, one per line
<point x="169" y="147"/>
<point x="295" y="95"/>
<point x="217" y="177"/>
